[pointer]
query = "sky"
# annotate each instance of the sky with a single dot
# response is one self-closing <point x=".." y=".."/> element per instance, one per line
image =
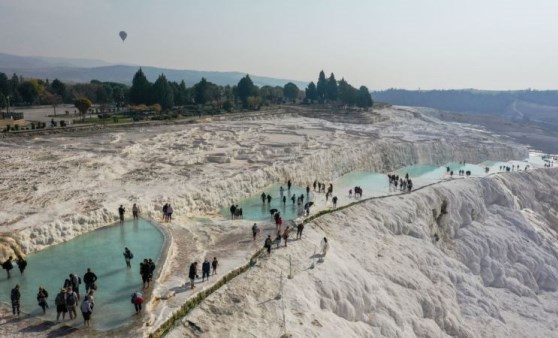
<point x="412" y="44"/>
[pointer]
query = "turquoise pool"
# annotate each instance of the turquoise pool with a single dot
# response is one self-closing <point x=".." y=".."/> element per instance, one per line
<point x="100" y="250"/>
<point x="254" y="209"/>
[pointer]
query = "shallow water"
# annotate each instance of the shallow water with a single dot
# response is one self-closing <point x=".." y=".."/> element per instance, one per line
<point x="100" y="250"/>
<point x="373" y="184"/>
<point x="254" y="209"/>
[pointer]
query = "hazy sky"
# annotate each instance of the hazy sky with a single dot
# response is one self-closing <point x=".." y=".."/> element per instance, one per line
<point x="486" y="44"/>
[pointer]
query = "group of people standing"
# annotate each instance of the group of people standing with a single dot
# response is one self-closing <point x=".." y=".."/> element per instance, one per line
<point x="8" y="265"/>
<point x="358" y="192"/>
<point x="122" y="211"/>
<point x="207" y="270"/>
<point x="147" y="267"/>
<point x="167" y="212"/>
<point x="404" y="184"/>
<point x="236" y="212"/>
<point x="67" y="300"/>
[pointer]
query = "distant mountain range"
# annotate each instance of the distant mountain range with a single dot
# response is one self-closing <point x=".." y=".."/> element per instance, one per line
<point x="85" y="70"/>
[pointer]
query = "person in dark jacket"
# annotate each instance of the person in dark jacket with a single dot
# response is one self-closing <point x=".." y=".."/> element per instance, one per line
<point x="299" y="229"/>
<point x="268" y="243"/>
<point x="76" y="281"/>
<point x="42" y="296"/>
<point x="21" y="264"/>
<point x="214" y="265"/>
<point x="8" y="266"/>
<point x="206" y="269"/>
<point x="192" y="274"/>
<point x="15" y="297"/>
<point x="151" y="265"/>
<point x="89" y="279"/>
<point x="121" y="212"/>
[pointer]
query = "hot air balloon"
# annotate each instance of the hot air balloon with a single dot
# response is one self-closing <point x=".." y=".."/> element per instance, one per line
<point x="123" y="35"/>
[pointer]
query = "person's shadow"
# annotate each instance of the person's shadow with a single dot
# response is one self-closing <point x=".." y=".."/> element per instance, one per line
<point x="62" y="331"/>
<point x="180" y="288"/>
<point x="41" y="327"/>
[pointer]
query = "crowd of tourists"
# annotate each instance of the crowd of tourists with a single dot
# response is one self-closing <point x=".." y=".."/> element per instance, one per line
<point x="404" y="184"/>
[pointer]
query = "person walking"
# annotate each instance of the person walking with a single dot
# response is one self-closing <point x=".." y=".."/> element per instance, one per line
<point x="170" y="210"/>
<point x="89" y="279"/>
<point x="214" y="265"/>
<point x="86" y="310"/>
<point x="267" y="244"/>
<point x="128" y="255"/>
<point x="151" y="266"/>
<point x="192" y="274"/>
<point x="334" y="200"/>
<point x="299" y="229"/>
<point x="135" y="211"/>
<point x="75" y="282"/>
<point x="255" y="231"/>
<point x="21" y="264"/>
<point x="15" y="298"/>
<point x="8" y="266"/>
<point x="144" y="272"/>
<point x="325" y="246"/>
<point x="286" y="235"/>
<point x="137" y="300"/>
<point x="165" y="207"/>
<point x="60" y="302"/>
<point x="278" y="238"/>
<point x="206" y="268"/>
<point x="121" y="212"/>
<point x="71" y="302"/>
<point x="91" y="298"/>
<point x="42" y="296"/>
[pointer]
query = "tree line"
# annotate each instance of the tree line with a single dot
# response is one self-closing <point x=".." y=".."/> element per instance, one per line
<point x="332" y="91"/>
<point x="246" y="94"/>
<point x="168" y="94"/>
<point x="19" y="91"/>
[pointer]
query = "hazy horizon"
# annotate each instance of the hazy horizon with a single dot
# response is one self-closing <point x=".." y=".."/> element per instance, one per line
<point x="496" y="45"/>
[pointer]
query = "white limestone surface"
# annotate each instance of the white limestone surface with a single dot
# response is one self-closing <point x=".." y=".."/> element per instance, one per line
<point x="493" y="273"/>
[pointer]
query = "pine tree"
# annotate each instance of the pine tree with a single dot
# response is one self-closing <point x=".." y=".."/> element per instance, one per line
<point x="311" y="92"/>
<point x="364" y="99"/>
<point x="331" y="88"/>
<point x="140" y="92"/>
<point x="321" y="86"/>
<point x="245" y="89"/>
<point x="162" y="93"/>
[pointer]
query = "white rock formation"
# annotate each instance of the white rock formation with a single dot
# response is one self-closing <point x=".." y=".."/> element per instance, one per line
<point x="57" y="187"/>
<point x="493" y="273"/>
